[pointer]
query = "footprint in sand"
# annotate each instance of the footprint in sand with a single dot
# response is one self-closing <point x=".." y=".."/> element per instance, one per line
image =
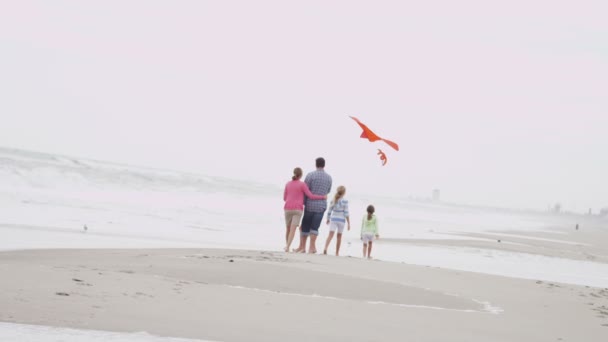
<point x="81" y="282"/>
<point x="141" y="294"/>
<point x="197" y="256"/>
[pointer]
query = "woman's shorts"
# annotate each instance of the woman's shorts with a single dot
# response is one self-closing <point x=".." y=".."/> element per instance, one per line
<point x="293" y="217"/>
<point x="336" y="225"/>
<point x="367" y="237"/>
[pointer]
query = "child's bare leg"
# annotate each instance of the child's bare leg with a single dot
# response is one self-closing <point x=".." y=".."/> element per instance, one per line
<point x="364" y="250"/>
<point x="328" y="241"/>
<point x="369" y="250"/>
<point x="338" y="242"/>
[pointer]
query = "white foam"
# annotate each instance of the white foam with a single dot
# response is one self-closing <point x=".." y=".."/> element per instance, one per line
<point x="13" y="332"/>
<point x="526" y="237"/>
<point x="312" y="295"/>
<point x="487" y="307"/>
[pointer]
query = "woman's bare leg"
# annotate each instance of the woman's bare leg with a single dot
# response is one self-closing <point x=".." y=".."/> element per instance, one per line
<point x="286" y="233"/>
<point x="369" y="250"/>
<point x="364" y="250"/>
<point x="292" y="234"/>
<point x="328" y="241"/>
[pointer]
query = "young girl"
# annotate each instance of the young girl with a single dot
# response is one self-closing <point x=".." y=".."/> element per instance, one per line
<point x="369" y="229"/>
<point x="338" y="216"/>
<point x="293" y="196"/>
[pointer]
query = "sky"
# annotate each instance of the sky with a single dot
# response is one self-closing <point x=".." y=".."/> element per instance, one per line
<point x="494" y="103"/>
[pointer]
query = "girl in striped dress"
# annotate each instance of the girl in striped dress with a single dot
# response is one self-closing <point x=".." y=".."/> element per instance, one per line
<point x="337" y="218"/>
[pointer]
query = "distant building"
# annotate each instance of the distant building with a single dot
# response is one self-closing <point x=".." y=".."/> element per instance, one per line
<point x="436" y="196"/>
<point x="557" y="208"/>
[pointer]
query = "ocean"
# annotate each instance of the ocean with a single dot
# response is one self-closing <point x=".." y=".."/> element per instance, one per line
<point x="47" y="200"/>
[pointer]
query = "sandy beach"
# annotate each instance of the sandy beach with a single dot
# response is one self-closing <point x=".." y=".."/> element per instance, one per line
<point x="157" y="157"/>
<point x="237" y="295"/>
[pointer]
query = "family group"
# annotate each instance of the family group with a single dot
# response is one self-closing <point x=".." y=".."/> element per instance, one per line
<point x="305" y="207"/>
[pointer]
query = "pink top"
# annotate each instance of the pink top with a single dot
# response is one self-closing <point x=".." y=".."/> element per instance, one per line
<point x="294" y="195"/>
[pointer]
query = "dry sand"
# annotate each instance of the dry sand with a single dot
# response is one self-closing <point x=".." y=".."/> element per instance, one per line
<point x="235" y="295"/>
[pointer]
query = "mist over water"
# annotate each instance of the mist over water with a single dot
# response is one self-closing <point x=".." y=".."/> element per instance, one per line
<point x="69" y="193"/>
<point x="511" y="115"/>
<point x="49" y="199"/>
<point x="196" y="112"/>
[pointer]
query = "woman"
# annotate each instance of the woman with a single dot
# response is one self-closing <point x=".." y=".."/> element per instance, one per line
<point x="294" y="204"/>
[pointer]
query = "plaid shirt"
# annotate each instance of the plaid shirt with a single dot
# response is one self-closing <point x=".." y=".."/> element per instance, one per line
<point x="319" y="183"/>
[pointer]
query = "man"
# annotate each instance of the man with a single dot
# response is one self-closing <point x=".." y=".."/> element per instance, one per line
<point x="319" y="183"/>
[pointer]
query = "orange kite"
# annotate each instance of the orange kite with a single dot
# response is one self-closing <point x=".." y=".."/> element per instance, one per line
<point x="382" y="157"/>
<point x="371" y="136"/>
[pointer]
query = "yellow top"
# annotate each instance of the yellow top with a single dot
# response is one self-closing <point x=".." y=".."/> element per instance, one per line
<point x="369" y="226"/>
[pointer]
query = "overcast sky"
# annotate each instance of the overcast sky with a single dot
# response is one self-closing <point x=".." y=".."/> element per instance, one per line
<point x="494" y="102"/>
